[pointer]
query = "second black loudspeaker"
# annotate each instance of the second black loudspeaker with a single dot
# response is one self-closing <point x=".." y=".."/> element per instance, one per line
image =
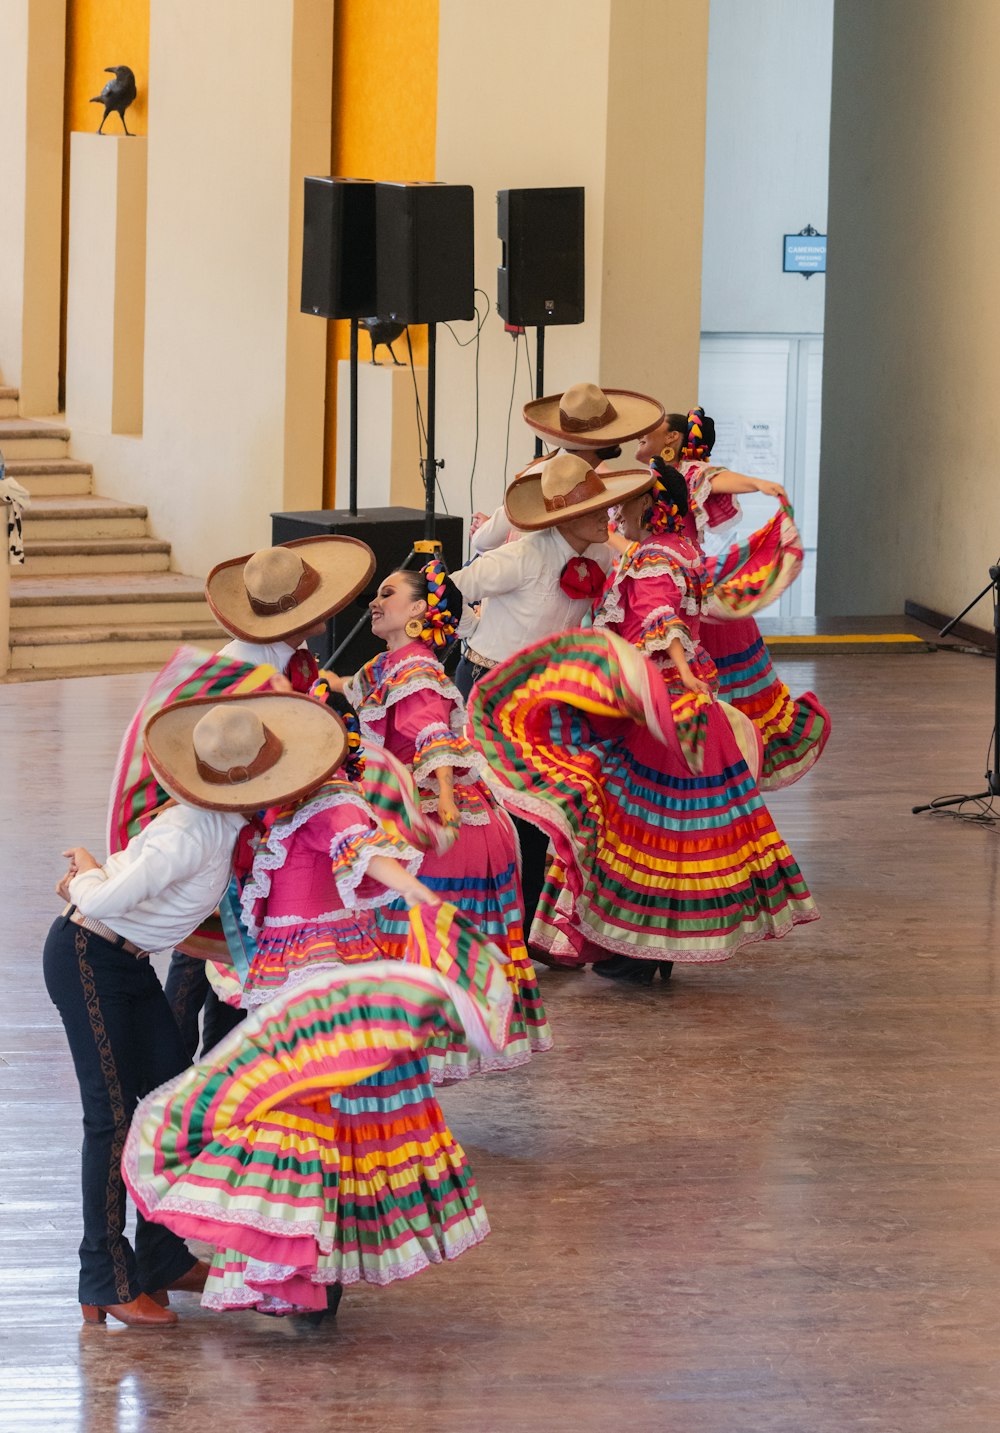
<point x="425" y="252"/>
<point x="338" y="248"/>
<point x="540" y="280"/>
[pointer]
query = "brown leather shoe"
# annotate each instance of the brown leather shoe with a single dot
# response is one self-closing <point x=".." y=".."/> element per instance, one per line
<point x="142" y="1312"/>
<point x="193" y="1282"/>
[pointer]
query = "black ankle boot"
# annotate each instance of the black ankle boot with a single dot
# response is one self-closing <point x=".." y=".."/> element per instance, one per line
<point x="627" y="969"/>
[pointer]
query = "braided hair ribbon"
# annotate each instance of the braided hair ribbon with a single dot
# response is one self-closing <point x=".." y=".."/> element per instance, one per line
<point x="695" y="447"/>
<point x="664" y="516"/>
<point x="440" y="623"/>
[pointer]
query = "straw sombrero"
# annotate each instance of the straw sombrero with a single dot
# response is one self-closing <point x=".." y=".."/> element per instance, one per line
<point x="271" y="594"/>
<point x="566" y="487"/>
<point x="586" y="416"/>
<point x="244" y="753"/>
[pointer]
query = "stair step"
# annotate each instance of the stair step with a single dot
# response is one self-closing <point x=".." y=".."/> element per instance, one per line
<point x="52" y="477"/>
<point x="8" y="402"/>
<point x="68" y="555"/>
<point x="121" y="598"/>
<point x="33" y="589"/>
<point x="109" y="645"/>
<point x="69" y="516"/>
<point x="30" y="438"/>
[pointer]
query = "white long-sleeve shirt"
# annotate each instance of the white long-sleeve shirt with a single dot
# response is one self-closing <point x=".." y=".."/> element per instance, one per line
<point x="518" y="585"/>
<point x="260" y="654"/>
<point x="493" y="533"/>
<point x="167" y="880"/>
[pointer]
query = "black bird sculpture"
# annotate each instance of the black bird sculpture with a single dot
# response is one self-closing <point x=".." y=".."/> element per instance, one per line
<point x="117" y="94"/>
<point x="384" y="332"/>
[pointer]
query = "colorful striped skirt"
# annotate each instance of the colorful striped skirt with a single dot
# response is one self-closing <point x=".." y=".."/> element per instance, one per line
<point x="748" y="576"/>
<point x="664" y="848"/>
<point x="794" y="730"/>
<point x="311" y="1151"/>
<point x="478" y="875"/>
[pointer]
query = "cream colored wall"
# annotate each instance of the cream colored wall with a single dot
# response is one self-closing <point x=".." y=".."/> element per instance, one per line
<point x="909" y="494"/>
<point x="510" y="117"/>
<point x="651" y="292"/>
<point x="240" y="96"/>
<point x="32" y="51"/>
<point x="515" y="109"/>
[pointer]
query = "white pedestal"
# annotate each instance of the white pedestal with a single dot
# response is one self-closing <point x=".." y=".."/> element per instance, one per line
<point x="388" y="443"/>
<point x="106" y="306"/>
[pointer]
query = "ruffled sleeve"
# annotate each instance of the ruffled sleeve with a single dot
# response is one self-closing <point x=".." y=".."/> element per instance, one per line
<point x="354" y="838"/>
<point x="407" y="703"/>
<point x="434" y="725"/>
<point x="338" y="822"/>
<point x="709" y="510"/>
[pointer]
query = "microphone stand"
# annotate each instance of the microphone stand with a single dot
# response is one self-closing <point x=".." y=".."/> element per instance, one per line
<point x="993" y="775"/>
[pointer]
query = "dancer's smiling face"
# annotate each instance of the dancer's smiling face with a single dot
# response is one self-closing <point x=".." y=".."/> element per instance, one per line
<point x="393" y="606"/>
<point x="630" y="517"/>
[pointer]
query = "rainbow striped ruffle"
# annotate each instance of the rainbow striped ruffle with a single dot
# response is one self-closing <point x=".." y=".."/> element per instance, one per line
<point x="794" y="730"/>
<point x="478" y="876"/>
<point x="748" y="576"/>
<point x="754" y="572"/>
<point x="664" y="848"/>
<point x="294" y="1190"/>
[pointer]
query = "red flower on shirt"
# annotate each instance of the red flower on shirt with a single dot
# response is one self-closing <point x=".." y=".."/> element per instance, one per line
<point x="582" y="577"/>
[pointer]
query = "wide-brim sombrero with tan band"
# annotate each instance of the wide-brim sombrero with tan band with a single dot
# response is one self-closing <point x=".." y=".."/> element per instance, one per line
<point x="264" y="596"/>
<point x="565" y="487"/>
<point x="586" y="416"/>
<point x="244" y="753"/>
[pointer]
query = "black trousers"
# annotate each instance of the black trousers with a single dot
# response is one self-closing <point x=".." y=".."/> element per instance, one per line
<point x="467" y="674"/>
<point x="188" y="990"/>
<point x="124" y="1042"/>
<point x="534" y="847"/>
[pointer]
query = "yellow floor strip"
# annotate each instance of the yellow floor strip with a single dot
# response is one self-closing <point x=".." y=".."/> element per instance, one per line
<point x="854" y="637"/>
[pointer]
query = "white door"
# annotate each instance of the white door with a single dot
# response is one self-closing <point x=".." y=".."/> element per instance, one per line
<point x="764" y="394"/>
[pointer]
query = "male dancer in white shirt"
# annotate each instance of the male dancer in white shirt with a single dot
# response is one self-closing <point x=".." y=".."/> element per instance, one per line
<point x="241" y="754"/>
<point x="271" y="602"/>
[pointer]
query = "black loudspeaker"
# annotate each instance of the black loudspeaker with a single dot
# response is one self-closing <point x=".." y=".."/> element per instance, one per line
<point x="540" y="280"/>
<point x="338" y="248"/>
<point x="390" y="533"/>
<point x="424" y="259"/>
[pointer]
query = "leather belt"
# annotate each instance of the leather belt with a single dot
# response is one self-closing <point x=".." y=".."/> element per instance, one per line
<point x="475" y="660"/>
<point x="97" y="927"/>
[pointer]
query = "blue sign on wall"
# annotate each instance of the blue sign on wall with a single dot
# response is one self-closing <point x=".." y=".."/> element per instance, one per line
<point x="805" y="254"/>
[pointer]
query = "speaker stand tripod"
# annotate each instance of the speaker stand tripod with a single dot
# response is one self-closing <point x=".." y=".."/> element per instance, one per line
<point x="429" y="546"/>
<point x="993" y="774"/>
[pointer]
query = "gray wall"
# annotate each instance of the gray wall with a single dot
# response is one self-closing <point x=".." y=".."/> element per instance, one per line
<point x="909" y="497"/>
<point x="767" y="137"/>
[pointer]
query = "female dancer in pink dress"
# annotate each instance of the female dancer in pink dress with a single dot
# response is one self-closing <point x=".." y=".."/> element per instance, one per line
<point x="611" y="741"/>
<point x="408" y="705"/>
<point x="794" y="729"/>
<point x="342" y="1179"/>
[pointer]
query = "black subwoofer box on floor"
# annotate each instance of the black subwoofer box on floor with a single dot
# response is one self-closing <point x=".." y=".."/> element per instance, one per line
<point x="390" y="533"/>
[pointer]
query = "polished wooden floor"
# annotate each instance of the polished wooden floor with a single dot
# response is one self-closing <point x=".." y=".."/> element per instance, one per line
<point x="763" y="1199"/>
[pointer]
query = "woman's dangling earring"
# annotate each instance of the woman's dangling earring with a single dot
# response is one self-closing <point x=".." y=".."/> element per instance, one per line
<point x="668" y="454"/>
<point x="414" y="627"/>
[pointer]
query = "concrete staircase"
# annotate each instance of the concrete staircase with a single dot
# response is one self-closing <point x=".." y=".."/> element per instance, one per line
<point x="96" y="593"/>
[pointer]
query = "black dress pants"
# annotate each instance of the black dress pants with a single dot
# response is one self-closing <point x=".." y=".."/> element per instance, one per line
<point x="124" y="1042"/>
<point x="188" y="991"/>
